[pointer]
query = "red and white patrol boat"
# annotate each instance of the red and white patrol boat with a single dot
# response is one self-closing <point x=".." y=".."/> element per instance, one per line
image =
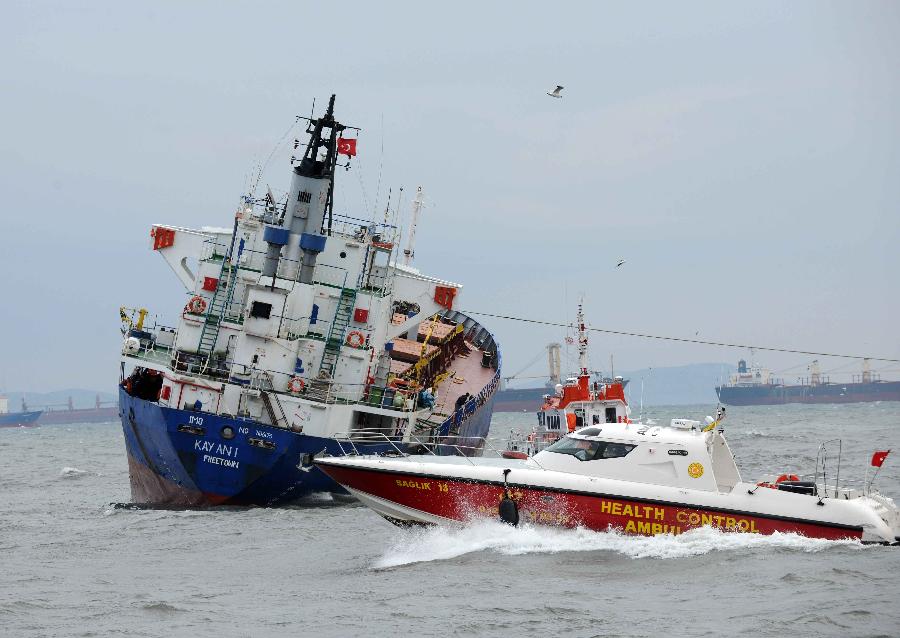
<point x="611" y="473"/>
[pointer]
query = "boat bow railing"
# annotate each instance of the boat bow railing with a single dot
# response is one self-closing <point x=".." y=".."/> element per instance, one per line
<point x="429" y="445"/>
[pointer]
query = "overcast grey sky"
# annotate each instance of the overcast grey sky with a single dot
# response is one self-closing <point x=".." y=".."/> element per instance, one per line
<point x="743" y="159"/>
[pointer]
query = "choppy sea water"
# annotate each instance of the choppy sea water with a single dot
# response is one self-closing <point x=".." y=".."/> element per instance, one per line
<point x="73" y="564"/>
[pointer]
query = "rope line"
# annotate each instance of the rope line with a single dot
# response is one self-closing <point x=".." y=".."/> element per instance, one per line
<point x="681" y="339"/>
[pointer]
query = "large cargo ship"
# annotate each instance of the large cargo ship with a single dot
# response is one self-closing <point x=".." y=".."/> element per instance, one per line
<point x="302" y="330"/>
<point x="758" y="386"/>
<point x="102" y="412"/>
<point x="24" y="419"/>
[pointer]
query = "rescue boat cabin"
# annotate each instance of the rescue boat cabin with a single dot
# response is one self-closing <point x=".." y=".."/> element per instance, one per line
<point x="580" y="403"/>
<point x="678" y="455"/>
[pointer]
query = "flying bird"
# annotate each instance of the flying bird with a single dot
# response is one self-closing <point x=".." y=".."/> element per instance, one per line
<point x="621" y="261"/>
<point x="556" y="92"/>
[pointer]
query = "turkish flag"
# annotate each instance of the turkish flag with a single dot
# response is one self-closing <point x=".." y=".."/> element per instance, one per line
<point x="879" y="457"/>
<point x="346" y="146"/>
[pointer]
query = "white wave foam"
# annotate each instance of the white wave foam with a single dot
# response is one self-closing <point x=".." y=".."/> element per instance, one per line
<point x="71" y="472"/>
<point x="443" y="543"/>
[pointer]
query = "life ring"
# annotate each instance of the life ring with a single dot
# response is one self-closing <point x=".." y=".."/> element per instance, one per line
<point x="356" y="339"/>
<point x="296" y="385"/>
<point x="196" y="305"/>
<point x="786" y="477"/>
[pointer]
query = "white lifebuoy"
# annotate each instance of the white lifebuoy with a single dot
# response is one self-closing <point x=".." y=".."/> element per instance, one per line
<point x="196" y="305"/>
<point x="296" y="385"/>
<point x="356" y="339"/>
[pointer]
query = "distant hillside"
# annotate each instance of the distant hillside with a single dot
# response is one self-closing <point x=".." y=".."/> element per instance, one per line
<point x="37" y="400"/>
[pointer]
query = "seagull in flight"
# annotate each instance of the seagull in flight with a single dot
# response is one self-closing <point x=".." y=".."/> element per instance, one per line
<point x="621" y="261"/>
<point x="556" y="92"/>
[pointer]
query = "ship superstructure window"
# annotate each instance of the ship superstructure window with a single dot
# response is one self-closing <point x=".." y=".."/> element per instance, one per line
<point x="610" y="415"/>
<point x="585" y="450"/>
<point x="260" y="310"/>
<point x="304" y="197"/>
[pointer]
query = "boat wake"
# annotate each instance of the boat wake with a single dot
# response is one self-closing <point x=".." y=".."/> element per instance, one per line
<point x="71" y="472"/>
<point x="441" y="543"/>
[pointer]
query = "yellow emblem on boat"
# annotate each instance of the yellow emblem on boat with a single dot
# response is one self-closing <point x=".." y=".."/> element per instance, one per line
<point x="695" y="470"/>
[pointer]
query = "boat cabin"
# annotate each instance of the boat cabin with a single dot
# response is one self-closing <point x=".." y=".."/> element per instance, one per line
<point x="677" y="455"/>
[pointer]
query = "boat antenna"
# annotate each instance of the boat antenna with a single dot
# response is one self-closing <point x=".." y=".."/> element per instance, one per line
<point x="380" y="168"/>
<point x="582" y="340"/>
<point x="649" y="374"/>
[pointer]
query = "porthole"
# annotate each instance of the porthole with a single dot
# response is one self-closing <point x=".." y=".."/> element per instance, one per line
<point x="343" y="255"/>
<point x="227" y="432"/>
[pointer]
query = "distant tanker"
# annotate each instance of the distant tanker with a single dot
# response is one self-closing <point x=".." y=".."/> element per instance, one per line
<point x="757" y="386"/>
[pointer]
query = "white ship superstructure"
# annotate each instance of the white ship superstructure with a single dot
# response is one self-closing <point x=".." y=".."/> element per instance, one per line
<point x="300" y="320"/>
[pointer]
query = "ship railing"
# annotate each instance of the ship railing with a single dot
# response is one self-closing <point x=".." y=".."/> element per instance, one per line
<point x="213" y="250"/>
<point x="422" y="444"/>
<point x="293" y="328"/>
<point x="362" y="229"/>
<point x="232" y="311"/>
<point x="254" y="260"/>
<point x="325" y="391"/>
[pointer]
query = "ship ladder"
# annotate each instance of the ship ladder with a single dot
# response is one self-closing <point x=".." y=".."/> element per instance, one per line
<point x="336" y="334"/>
<point x="216" y="311"/>
<point x="273" y="409"/>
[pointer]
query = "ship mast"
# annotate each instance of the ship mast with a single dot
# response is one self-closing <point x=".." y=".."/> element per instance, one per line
<point x="410" y="251"/>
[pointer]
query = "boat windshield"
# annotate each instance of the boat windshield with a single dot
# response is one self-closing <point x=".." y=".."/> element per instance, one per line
<point x="584" y="450"/>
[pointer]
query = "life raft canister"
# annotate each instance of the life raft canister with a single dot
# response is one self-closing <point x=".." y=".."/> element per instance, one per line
<point x="355" y="339"/>
<point x="296" y="385"/>
<point x="196" y="305"/>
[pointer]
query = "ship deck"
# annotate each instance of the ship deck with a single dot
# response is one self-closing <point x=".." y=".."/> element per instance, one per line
<point x="467" y="375"/>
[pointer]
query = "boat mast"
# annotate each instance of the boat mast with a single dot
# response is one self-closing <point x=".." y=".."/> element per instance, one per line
<point x="582" y="341"/>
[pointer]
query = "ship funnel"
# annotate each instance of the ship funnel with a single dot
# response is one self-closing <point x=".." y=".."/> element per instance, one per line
<point x="299" y="237"/>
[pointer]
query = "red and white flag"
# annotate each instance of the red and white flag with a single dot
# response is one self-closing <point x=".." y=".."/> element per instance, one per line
<point x="346" y="146"/>
<point x="879" y="457"/>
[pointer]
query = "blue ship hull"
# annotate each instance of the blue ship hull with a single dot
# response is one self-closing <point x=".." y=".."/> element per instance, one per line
<point x="19" y="419"/>
<point x="181" y="458"/>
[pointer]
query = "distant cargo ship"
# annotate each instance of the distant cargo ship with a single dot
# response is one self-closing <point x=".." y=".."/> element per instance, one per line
<point x="26" y="418"/>
<point x="102" y="412"/>
<point x="757" y="386"/>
